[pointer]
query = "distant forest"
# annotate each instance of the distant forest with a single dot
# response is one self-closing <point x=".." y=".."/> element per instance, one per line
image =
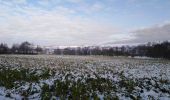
<point x="155" y="50"/>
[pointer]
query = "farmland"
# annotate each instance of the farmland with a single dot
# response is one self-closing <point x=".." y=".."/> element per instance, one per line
<point x="83" y="77"/>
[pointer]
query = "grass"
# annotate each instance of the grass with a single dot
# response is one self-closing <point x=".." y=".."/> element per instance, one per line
<point x="78" y="90"/>
<point x="11" y="77"/>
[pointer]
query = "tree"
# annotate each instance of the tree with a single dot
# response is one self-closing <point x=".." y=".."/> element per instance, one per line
<point x="38" y="50"/>
<point x="4" y="48"/>
<point x="15" y="48"/>
<point x="26" y="48"/>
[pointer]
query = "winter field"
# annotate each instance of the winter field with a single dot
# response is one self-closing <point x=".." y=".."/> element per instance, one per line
<point x="83" y="77"/>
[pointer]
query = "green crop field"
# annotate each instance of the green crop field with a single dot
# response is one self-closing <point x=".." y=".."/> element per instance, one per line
<point x="83" y="77"/>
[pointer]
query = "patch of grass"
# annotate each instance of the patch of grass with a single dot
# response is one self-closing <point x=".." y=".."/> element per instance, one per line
<point x="74" y="90"/>
<point x="11" y="77"/>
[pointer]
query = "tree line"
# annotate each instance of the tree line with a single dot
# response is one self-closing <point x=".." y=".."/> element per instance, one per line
<point x="156" y="50"/>
<point x="23" y="48"/>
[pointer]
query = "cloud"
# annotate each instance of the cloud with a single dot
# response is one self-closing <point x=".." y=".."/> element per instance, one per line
<point x="20" y="1"/>
<point x="75" y="1"/>
<point x="13" y="1"/>
<point x="92" y="8"/>
<point x="156" y="33"/>
<point x="96" y="7"/>
<point x="55" y="27"/>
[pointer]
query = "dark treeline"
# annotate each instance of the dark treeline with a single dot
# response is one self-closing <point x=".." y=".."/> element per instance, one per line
<point x="95" y="50"/>
<point x="23" y="48"/>
<point x="156" y="50"/>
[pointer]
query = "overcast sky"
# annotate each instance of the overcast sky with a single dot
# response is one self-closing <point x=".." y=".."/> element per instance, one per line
<point x="84" y="22"/>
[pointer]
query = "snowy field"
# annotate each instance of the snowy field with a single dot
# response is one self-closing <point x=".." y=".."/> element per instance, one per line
<point x="83" y="77"/>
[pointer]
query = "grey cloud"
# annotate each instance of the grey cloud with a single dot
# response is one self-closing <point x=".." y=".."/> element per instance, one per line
<point x="157" y="33"/>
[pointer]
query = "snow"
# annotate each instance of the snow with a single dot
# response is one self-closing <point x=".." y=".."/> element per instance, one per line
<point x="90" y="67"/>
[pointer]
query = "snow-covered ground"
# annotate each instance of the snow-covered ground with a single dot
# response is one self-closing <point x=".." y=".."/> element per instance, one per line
<point x="85" y="77"/>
